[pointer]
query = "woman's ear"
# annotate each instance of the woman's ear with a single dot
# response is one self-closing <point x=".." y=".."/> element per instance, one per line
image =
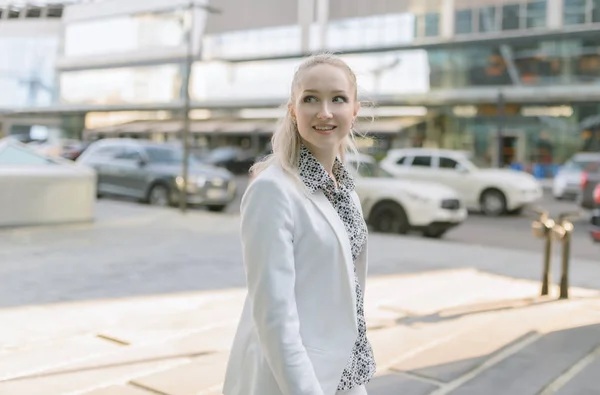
<point x="356" y="109"/>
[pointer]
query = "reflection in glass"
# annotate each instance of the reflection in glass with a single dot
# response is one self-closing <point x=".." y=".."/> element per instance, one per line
<point x="595" y="11"/>
<point x="125" y="33"/>
<point x="574" y="12"/>
<point x="487" y="19"/>
<point x="27" y="71"/>
<point x="432" y="24"/>
<point x="131" y="85"/>
<point x="510" y="17"/>
<point x="536" y="14"/>
<point x="464" y="22"/>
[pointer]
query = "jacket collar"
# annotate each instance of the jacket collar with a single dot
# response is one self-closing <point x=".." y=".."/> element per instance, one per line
<point x="315" y="177"/>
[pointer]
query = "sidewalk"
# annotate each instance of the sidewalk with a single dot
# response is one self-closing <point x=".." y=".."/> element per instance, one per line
<point x="448" y="331"/>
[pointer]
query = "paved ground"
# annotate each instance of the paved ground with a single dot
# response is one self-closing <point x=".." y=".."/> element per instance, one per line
<point x="145" y="301"/>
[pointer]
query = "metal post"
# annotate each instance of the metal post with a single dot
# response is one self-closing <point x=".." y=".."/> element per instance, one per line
<point x="566" y="255"/>
<point x="186" y="110"/>
<point x="499" y="132"/>
<point x="185" y="132"/>
<point x="543" y="229"/>
<point x="546" y="273"/>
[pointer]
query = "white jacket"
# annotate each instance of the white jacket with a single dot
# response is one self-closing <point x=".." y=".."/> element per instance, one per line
<point x="298" y="325"/>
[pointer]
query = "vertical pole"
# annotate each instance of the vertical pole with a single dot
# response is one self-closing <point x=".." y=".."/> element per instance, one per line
<point x="547" y="255"/>
<point x="564" y="278"/>
<point x="186" y="109"/>
<point x="499" y="132"/>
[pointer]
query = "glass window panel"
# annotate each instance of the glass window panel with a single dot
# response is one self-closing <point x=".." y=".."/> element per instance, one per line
<point x="596" y="11"/>
<point x="536" y="14"/>
<point x="432" y="24"/>
<point x="464" y="22"/>
<point x="125" y="33"/>
<point x="126" y="85"/>
<point x="511" y="19"/>
<point x="574" y="12"/>
<point x="27" y="71"/>
<point x="487" y="19"/>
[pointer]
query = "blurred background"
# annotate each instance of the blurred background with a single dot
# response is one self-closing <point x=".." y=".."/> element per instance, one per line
<point x="115" y="115"/>
<point x="512" y="84"/>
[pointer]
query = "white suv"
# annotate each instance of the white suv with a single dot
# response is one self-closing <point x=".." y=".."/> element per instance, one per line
<point x="492" y="191"/>
<point x="397" y="206"/>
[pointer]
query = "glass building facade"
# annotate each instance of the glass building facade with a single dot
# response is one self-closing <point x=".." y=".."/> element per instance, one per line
<point x="27" y="75"/>
<point x="495" y="46"/>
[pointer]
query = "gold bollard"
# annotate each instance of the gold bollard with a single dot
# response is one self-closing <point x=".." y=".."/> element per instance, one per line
<point x="542" y="229"/>
<point x="562" y="232"/>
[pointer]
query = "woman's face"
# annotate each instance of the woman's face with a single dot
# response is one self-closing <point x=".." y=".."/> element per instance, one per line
<point x="324" y="107"/>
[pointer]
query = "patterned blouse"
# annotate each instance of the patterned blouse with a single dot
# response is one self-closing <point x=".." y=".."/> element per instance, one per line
<point x="361" y="365"/>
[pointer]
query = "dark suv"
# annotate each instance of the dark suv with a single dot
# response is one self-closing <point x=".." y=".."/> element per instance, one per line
<point x="151" y="172"/>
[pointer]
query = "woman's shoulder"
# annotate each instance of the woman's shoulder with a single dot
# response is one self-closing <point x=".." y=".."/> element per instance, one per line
<point x="275" y="174"/>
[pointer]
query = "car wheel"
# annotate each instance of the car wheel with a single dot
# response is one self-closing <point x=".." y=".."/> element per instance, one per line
<point x="159" y="196"/>
<point x="216" y="208"/>
<point x="389" y="217"/>
<point x="493" y="203"/>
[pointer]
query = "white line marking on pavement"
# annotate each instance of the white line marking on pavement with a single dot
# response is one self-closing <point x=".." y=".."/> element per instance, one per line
<point x="487" y="364"/>
<point x="430" y="345"/>
<point x="570" y="373"/>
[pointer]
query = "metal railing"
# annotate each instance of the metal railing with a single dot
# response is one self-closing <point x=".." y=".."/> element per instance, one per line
<point x="559" y="230"/>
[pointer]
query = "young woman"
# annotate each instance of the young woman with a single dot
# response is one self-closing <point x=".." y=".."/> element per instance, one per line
<point x="302" y="330"/>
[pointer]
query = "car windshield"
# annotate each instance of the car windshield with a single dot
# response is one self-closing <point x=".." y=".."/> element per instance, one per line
<point x="581" y="164"/>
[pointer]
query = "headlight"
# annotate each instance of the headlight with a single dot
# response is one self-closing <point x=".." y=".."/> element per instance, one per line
<point x="192" y="182"/>
<point x="200" y="181"/>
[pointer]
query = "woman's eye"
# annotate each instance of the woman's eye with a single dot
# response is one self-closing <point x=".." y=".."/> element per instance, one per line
<point x="309" y="99"/>
<point x="340" y="99"/>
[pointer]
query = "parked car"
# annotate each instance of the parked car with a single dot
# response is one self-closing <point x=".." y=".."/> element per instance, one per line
<point x="234" y="159"/>
<point x="391" y="205"/>
<point x="492" y="191"/>
<point x="151" y="172"/>
<point x="567" y="182"/>
<point x="590" y="178"/>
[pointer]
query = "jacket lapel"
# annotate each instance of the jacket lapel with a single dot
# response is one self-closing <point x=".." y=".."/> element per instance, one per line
<point x="327" y="209"/>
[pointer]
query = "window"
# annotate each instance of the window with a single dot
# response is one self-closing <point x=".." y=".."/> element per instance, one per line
<point x="536" y="14"/>
<point x="108" y="152"/>
<point x="447" y="163"/>
<point x="596" y="11"/>
<point x="511" y="17"/>
<point x="574" y="12"/>
<point x="487" y="19"/>
<point x="422" y="161"/>
<point x="129" y="154"/>
<point x="401" y="161"/>
<point x="432" y="24"/>
<point x="464" y="22"/>
<point x="164" y="155"/>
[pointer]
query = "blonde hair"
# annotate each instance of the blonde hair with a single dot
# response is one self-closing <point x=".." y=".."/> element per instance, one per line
<point x="286" y="140"/>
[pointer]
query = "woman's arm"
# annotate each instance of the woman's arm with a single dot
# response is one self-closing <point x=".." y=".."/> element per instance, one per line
<point x="267" y="244"/>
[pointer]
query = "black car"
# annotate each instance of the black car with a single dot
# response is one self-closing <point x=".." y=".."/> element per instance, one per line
<point x="236" y="160"/>
<point x="151" y="172"/>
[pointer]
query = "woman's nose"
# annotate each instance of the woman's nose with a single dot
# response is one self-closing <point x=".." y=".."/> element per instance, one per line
<point x="324" y="113"/>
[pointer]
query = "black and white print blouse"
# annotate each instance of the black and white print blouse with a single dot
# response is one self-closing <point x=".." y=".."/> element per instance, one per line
<point x="361" y="365"/>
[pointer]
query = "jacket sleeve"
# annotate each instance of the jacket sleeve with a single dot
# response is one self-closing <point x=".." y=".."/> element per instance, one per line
<point x="267" y="244"/>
